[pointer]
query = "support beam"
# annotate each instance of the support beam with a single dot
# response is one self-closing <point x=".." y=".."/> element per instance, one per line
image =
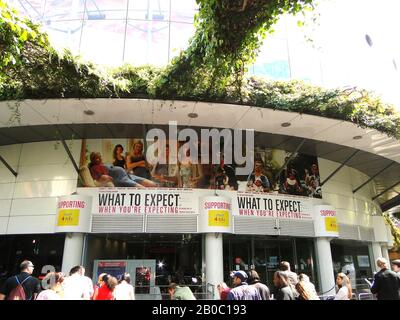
<point x="340" y="167"/>
<point x="144" y="128"/>
<point x="391" y="203"/>
<point x="69" y="155"/>
<point x="292" y="155"/>
<point x="8" y="166"/>
<point x="386" y="190"/>
<point x="371" y="178"/>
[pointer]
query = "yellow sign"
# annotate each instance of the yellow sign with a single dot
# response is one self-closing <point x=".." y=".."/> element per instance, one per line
<point x="218" y="218"/>
<point x="331" y="224"/>
<point x="68" y="217"/>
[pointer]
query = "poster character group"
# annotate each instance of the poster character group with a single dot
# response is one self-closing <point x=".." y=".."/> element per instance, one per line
<point x="123" y="163"/>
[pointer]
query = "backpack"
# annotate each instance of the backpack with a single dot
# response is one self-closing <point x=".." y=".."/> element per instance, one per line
<point x="18" y="293"/>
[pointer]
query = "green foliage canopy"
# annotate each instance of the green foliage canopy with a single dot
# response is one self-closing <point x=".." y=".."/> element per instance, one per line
<point x="213" y="68"/>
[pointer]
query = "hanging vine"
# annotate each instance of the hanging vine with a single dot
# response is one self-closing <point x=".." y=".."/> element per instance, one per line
<point x="213" y="68"/>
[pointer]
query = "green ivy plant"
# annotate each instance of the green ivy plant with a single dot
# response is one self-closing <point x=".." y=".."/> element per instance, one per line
<point x="394" y="230"/>
<point x="213" y="68"/>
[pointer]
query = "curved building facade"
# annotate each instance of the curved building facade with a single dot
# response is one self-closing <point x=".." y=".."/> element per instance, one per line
<point x="308" y="198"/>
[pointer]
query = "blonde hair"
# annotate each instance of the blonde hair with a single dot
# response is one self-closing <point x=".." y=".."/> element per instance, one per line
<point x="303" y="291"/>
<point x="346" y="282"/>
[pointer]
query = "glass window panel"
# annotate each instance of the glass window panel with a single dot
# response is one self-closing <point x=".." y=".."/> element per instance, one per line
<point x="31" y="8"/>
<point x="105" y="9"/>
<point x="147" y="43"/>
<point x="149" y="10"/>
<point x="102" y="41"/>
<point x="64" y="34"/>
<point x="345" y="259"/>
<point x="180" y="35"/>
<point x="56" y="10"/>
<point x="183" y="10"/>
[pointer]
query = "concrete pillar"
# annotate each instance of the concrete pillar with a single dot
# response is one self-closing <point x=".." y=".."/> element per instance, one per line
<point x="214" y="260"/>
<point x="376" y="253"/>
<point x="72" y="255"/>
<point x="385" y="254"/>
<point x="325" y="266"/>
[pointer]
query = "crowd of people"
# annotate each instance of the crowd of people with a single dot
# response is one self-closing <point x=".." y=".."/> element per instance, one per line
<point x="57" y="286"/>
<point x="132" y="169"/>
<point x="287" y="285"/>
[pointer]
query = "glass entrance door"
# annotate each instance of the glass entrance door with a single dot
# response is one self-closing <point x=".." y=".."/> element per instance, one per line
<point x="268" y="255"/>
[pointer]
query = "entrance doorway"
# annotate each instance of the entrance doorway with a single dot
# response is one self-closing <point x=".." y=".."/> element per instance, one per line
<point x="166" y="257"/>
<point x="268" y="255"/>
<point x="264" y="253"/>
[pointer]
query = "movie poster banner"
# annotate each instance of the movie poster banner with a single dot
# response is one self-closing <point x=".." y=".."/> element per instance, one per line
<point x="146" y="201"/>
<point x="110" y="201"/>
<point x="271" y="206"/>
<point x="116" y="163"/>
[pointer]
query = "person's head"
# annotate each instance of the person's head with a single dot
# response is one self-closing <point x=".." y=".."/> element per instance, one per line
<point x="171" y="289"/>
<point x="253" y="276"/>
<point x="284" y="266"/>
<point x="302" y="289"/>
<point x="280" y="279"/>
<point x="77" y="270"/>
<point x="222" y="287"/>
<point x="100" y="278"/>
<point x="304" y="277"/>
<point x="382" y="263"/>
<point x="396" y="265"/>
<point x="343" y="281"/>
<point x="239" y="277"/>
<point x="118" y="149"/>
<point x="95" y="158"/>
<point x="314" y="169"/>
<point x="125" y="277"/>
<point x="258" y="165"/>
<point x="26" y="266"/>
<point x="53" y="280"/>
<point x="138" y="147"/>
<point x="111" y="282"/>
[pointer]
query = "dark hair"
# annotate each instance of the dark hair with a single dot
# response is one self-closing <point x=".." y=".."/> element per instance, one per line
<point x="115" y="150"/>
<point x="172" y="286"/>
<point x="125" y="277"/>
<point x="105" y="278"/>
<point x="75" y="270"/>
<point x="93" y="156"/>
<point x="253" y="277"/>
<point x="284" y="266"/>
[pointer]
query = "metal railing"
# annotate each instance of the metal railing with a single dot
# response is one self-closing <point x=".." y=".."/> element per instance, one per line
<point x="361" y="291"/>
<point x="160" y="292"/>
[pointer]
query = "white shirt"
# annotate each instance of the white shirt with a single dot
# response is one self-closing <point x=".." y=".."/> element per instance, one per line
<point x="342" y="294"/>
<point x="124" y="291"/>
<point x="77" y="287"/>
<point x="48" y="295"/>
